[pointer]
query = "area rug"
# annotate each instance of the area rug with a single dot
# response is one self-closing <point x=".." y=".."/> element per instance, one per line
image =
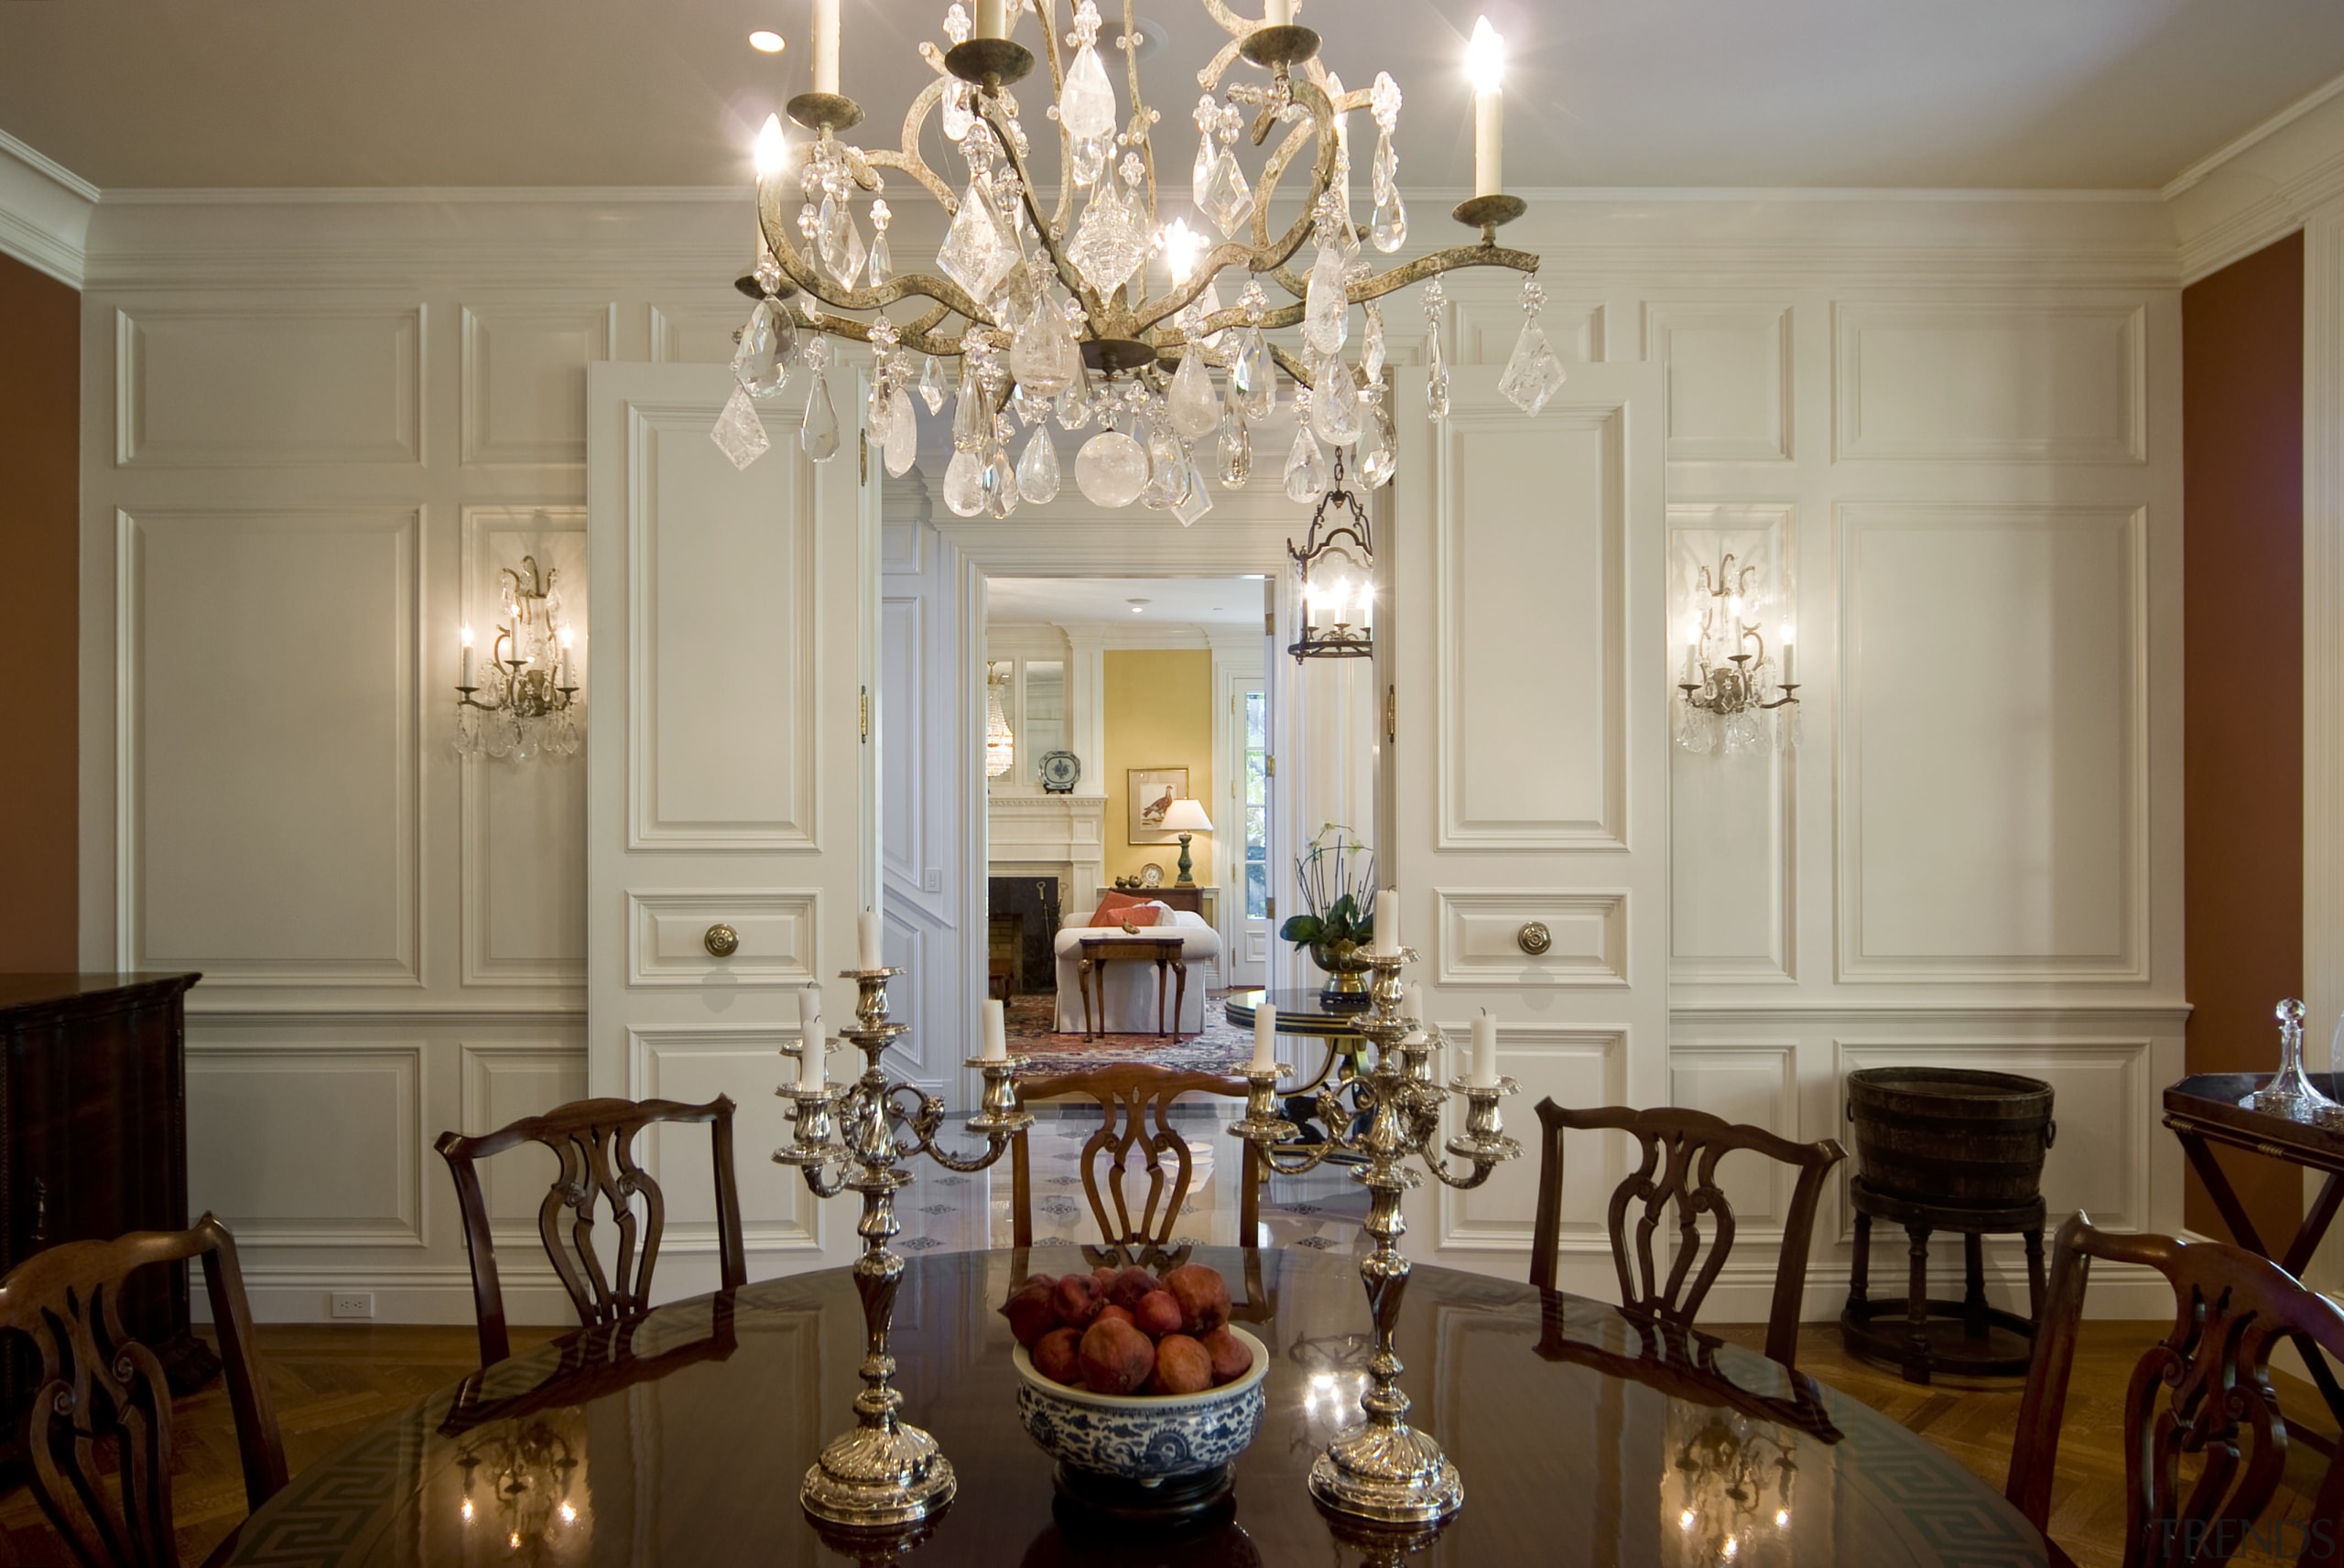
<point x="1223" y="1047"/>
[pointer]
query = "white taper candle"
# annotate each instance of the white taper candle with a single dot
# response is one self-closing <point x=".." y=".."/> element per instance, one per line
<point x="996" y="1018"/>
<point x="1265" y="1037"/>
<point x="992" y="19"/>
<point x="1485" y="63"/>
<point x="826" y="46"/>
<point x="1484" y="1069"/>
<point x="1387" y="920"/>
<point x="866" y="941"/>
<point x="810" y="1065"/>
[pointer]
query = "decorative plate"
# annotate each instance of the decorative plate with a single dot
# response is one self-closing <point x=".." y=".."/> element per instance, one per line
<point x="1151" y="875"/>
<point x="1060" y="772"/>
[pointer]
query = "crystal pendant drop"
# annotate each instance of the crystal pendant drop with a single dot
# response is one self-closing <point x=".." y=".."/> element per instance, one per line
<point x="1037" y="470"/>
<point x="1189" y="403"/>
<point x="1196" y="499"/>
<point x="962" y="489"/>
<point x="1207" y="154"/>
<point x="932" y="384"/>
<point x="761" y="364"/>
<point x="1308" y="474"/>
<point x="819" y="432"/>
<point x="1236" y="452"/>
<point x="1087" y="106"/>
<point x="1044" y="355"/>
<point x="1326" y="308"/>
<point x="1165" y="470"/>
<point x="1254" y="376"/>
<point x="975" y="254"/>
<point x="1378" y="443"/>
<point x="1335" y="403"/>
<point x="1074" y="408"/>
<point x="1111" y="469"/>
<point x="1389" y="228"/>
<point x="852" y="256"/>
<point x="1370" y="347"/>
<point x="1436" y="381"/>
<point x="999" y="484"/>
<point x="1226" y="199"/>
<point x="883" y="261"/>
<point x="739" y="434"/>
<point x="901" y="448"/>
<point x="830" y="241"/>
<point x="971" y="412"/>
<point x="1533" y="373"/>
<point x="1111" y="242"/>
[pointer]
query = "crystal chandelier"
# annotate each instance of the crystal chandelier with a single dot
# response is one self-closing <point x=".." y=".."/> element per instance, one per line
<point x="1043" y="296"/>
<point x="529" y="691"/>
<point x="1730" y="682"/>
<point x="1001" y="746"/>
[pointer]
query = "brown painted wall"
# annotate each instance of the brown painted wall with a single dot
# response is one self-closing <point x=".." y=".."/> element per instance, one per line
<point x="40" y="489"/>
<point x="2242" y="334"/>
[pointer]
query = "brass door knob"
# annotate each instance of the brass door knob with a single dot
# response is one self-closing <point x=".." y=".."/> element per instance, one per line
<point x="1535" y="938"/>
<point x="721" y="941"/>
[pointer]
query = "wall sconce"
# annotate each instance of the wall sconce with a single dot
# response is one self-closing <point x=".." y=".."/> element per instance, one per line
<point x="1338" y="581"/>
<point x="1730" y="681"/>
<point x="1735" y="1485"/>
<point x="530" y="687"/>
<point x="1001" y="746"/>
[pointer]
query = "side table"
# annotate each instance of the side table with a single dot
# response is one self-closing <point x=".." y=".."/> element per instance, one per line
<point x="1098" y="951"/>
<point x="1922" y="1335"/>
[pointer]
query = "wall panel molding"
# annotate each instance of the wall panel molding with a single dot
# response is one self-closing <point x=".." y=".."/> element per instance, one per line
<point x="348" y="1116"/>
<point x="1959" y="866"/>
<point x="522" y="398"/>
<point x="1480" y="942"/>
<point x="779" y="929"/>
<point x="234" y="603"/>
<point x="1579" y="1065"/>
<point x="693" y="1064"/>
<point x="1991" y="383"/>
<point x="1730" y="372"/>
<point x="268" y="385"/>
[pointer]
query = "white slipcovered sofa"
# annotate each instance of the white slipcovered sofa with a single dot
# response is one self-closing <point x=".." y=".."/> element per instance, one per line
<point x="1131" y="987"/>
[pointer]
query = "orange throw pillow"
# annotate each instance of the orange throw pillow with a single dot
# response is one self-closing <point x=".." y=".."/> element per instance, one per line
<point x="1115" y="907"/>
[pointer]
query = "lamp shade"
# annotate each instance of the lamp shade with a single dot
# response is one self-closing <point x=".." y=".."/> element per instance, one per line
<point x="1187" y="816"/>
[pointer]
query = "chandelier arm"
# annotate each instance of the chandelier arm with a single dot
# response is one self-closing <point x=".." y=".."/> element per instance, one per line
<point x="1142" y="119"/>
<point x="1209" y="75"/>
<point x="1046" y="13"/>
<point x="903" y="285"/>
<point x="1322" y="179"/>
<point x="915" y="166"/>
<point x="1069" y="274"/>
<point x="914" y="338"/>
<point x="908" y="158"/>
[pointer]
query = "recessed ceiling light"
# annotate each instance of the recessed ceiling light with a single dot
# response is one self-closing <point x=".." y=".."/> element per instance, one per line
<point x="765" y="41"/>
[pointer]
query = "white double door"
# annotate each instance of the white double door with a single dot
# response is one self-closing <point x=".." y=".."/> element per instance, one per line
<point x="731" y="771"/>
<point x="1521" y="569"/>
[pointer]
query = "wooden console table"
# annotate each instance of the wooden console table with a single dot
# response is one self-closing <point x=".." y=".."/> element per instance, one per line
<point x="1100" y="951"/>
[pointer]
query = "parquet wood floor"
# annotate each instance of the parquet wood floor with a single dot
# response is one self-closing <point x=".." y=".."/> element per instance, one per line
<point x="333" y="1381"/>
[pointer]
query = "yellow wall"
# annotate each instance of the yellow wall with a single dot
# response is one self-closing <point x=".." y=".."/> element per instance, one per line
<point x="1159" y="715"/>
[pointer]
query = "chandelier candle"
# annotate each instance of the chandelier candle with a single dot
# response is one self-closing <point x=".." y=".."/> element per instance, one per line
<point x="1485" y="63"/>
<point x="826" y="46"/>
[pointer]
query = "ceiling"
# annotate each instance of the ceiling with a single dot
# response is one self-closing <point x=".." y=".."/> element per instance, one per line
<point x="2049" y="93"/>
<point x="1171" y="601"/>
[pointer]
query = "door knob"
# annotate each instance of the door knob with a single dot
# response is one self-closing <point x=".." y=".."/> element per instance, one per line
<point x="721" y="941"/>
<point x="1533" y="938"/>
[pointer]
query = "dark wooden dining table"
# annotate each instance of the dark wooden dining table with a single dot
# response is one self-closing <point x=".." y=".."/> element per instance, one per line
<point x="683" y="1441"/>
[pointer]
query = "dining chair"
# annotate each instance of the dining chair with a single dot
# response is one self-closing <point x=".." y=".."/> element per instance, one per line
<point x="1680" y="1149"/>
<point x="594" y="1141"/>
<point x="2205" y="1443"/>
<point x="1132" y="1096"/>
<point x="96" y="1433"/>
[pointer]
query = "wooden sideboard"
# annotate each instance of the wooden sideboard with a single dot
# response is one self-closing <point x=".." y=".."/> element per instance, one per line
<point x="1196" y="899"/>
<point x="93" y="1098"/>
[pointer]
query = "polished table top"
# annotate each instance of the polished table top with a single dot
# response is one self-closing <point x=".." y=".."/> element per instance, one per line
<point x="1299" y="1012"/>
<point x="1566" y="1424"/>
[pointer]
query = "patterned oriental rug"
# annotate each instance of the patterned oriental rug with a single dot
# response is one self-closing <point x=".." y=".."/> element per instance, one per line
<point x="1221" y="1048"/>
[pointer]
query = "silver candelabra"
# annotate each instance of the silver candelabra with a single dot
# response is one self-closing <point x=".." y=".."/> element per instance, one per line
<point x="885" y="1473"/>
<point x="1387" y="1472"/>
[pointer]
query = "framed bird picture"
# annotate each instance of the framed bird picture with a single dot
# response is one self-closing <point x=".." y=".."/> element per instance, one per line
<point x="1153" y="791"/>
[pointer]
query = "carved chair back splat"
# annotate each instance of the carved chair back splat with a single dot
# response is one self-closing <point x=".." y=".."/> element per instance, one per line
<point x="1680" y="1149"/>
<point x="100" y="1390"/>
<point x="2200" y="1400"/>
<point x="1136" y="1104"/>
<point x="594" y="1141"/>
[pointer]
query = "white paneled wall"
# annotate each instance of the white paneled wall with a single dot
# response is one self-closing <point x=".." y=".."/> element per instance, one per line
<point x="314" y="428"/>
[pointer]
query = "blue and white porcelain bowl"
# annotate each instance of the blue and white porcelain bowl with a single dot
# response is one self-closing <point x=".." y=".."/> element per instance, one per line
<point x="1144" y="1438"/>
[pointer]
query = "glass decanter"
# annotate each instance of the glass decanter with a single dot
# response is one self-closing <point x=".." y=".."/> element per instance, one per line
<point x="2290" y="1092"/>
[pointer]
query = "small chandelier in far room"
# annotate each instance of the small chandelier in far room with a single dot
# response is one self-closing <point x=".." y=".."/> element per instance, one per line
<point x="1001" y="746"/>
<point x="530" y="689"/>
<point x="1730" y="681"/>
<point x="1335" y="578"/>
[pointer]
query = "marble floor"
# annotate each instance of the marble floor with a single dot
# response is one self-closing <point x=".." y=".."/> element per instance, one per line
<point x="942" y="1209"/>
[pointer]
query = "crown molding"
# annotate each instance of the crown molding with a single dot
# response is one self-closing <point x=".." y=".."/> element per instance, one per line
<point x="45" y="210"/>
<point x="2261" y="187"/>
<point x="2229" y="152"/>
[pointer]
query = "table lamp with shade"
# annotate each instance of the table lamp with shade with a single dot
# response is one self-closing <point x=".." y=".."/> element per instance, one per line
<point x="1187" y="818"/>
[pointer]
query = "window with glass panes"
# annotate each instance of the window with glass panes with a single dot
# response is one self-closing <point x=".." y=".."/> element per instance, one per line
<point x="1257" y="804"/>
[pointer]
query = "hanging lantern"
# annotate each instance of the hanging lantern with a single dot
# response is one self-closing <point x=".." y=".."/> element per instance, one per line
<point x="1001" y="746"/>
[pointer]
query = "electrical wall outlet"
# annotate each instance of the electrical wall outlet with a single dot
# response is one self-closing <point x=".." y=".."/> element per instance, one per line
<point x="353" y="1304"/>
